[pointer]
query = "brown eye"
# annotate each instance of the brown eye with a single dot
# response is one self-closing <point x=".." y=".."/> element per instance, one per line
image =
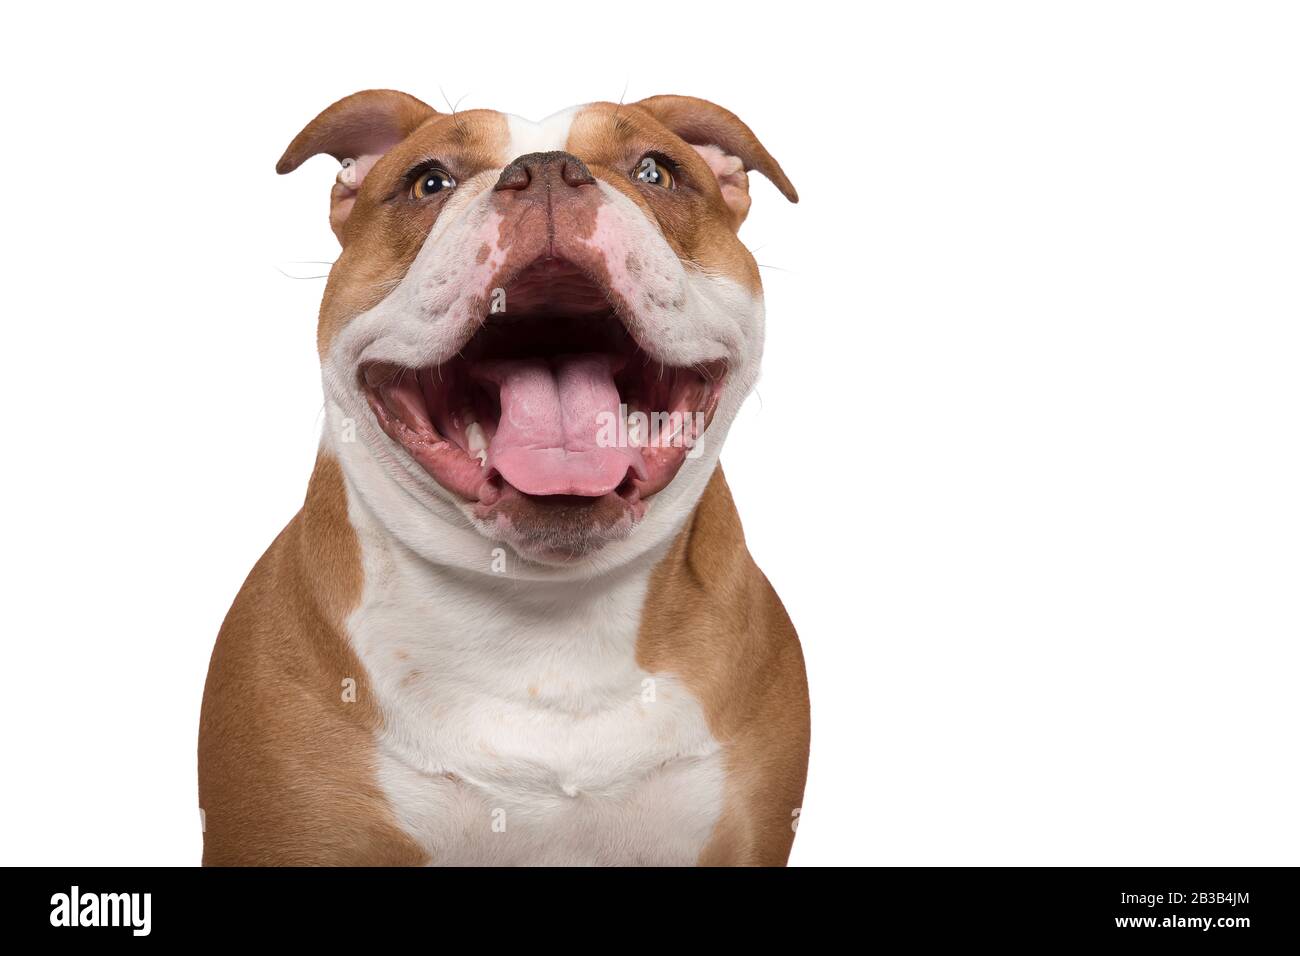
<point x="431" y="181"/>
<point x="653" y="172"/>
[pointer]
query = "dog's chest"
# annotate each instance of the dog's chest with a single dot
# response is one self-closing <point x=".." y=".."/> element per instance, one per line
<point x="519" y="728"/>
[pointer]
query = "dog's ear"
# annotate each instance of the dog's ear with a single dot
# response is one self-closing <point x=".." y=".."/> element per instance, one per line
<point x="357" y="131"/>
<point x="727" y="145"/>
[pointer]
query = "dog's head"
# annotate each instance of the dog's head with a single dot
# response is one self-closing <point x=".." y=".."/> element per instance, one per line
<point x="540" y="330"/>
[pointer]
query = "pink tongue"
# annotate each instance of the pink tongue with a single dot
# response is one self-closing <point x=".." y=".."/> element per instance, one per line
<point x="556" y="414"/>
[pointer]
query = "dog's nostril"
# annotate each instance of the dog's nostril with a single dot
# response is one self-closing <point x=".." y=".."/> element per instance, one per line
<point x="575" y="172"/>
<point x="513" y="176"/>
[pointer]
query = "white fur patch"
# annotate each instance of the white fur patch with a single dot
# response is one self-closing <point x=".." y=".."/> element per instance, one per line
<point x="549" y="134"/>
<point x="518" y="727"/>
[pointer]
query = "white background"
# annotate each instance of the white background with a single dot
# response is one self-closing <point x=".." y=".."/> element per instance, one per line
<point x="1023" y="464"/>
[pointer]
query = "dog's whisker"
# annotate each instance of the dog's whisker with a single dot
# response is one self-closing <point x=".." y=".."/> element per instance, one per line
<point x="290" y="276"/>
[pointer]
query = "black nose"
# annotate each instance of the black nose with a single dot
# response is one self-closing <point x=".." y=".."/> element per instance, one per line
<point x="542" y="169"/>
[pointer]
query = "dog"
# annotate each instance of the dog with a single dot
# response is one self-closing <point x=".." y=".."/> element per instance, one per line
<point x="515" y="621"/>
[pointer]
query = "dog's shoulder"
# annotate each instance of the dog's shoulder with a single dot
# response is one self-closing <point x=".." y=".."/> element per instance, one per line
<point x="722" y="629"/>
<point x="286" y="729"/>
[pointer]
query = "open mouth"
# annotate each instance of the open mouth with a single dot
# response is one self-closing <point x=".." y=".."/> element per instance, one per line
<point x="552" y="398"/>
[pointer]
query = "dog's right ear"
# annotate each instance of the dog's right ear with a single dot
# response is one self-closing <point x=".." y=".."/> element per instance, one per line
<point x="357" y="131"/>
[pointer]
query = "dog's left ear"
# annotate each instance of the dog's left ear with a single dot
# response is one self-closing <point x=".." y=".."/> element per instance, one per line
<point x="357" y="131"/>
<point x="729" y="147"/>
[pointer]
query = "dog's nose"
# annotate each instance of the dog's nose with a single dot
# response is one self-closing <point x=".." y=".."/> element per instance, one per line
<point x="554" y="168"/>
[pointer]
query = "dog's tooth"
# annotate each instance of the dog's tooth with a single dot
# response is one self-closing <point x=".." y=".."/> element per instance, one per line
<point x="477" y="441"/>
<point x="467" y="416"/>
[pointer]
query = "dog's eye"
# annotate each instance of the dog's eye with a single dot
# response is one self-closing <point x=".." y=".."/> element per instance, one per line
<point x="653" y="172"/>
<point x="431" y="181"/>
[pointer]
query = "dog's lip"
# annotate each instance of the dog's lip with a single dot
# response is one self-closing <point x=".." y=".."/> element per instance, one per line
<point x="598" y="521"/>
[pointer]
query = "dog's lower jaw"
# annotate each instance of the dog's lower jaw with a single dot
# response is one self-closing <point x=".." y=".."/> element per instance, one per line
<point x="558" y="533"/>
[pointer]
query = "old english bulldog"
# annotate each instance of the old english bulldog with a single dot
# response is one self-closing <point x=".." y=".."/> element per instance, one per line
<point x="515" y="621"/>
